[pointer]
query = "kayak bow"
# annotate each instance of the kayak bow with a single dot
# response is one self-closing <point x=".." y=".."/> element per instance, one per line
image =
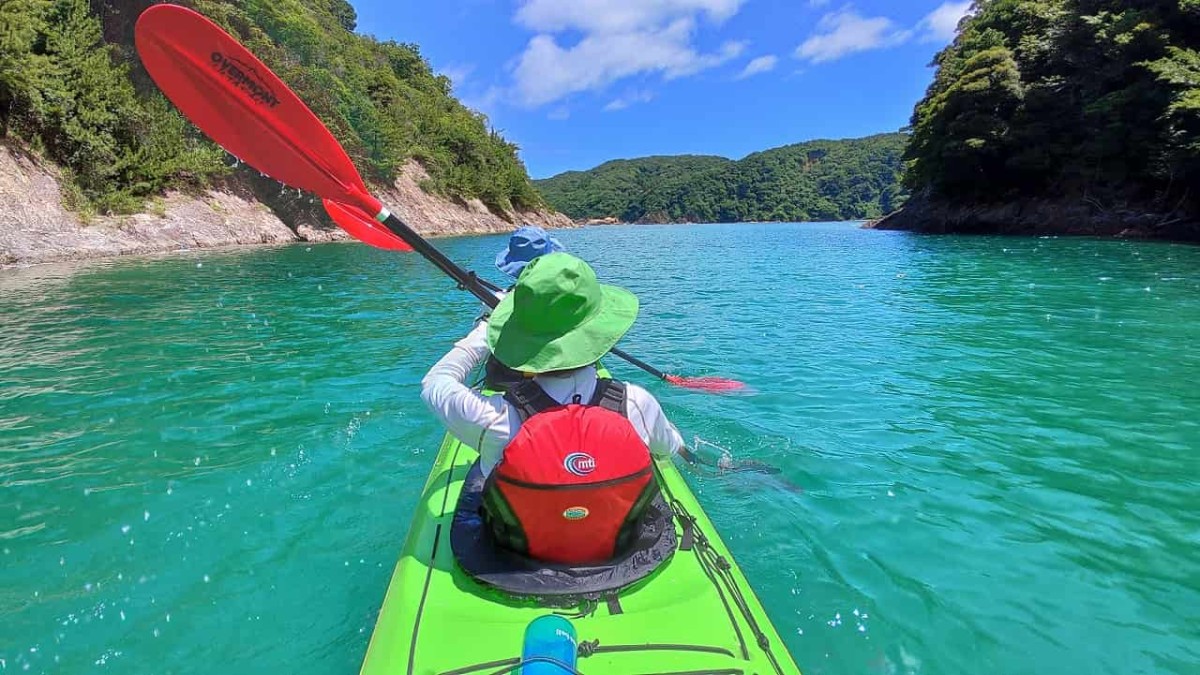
<point x="696" y="613"/>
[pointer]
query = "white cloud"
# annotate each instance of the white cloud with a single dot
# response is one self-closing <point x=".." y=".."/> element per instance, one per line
<point x="486" y="101"/>
<point x="559" y="114"/>
<point x="941" y="25"/>
<point x="619" y="39"/>
<point x="846" y="32"/>
<point x="642" y="96"/>
<point x="458" y="72"/>
<point x="617" y="16"/>
<point x="762" y="64"/>
<point x="817" y="3"/>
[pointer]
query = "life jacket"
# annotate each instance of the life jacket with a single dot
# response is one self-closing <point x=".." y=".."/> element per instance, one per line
<point x="574" y="482"/>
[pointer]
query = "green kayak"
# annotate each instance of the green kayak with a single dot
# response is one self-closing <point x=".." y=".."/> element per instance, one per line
<point x="695" y="613"/>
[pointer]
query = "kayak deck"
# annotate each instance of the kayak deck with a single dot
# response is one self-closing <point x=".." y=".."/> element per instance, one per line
<point x="695" y="614"/>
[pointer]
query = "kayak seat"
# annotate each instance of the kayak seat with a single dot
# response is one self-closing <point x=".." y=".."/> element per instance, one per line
<point x="477" y="553"/>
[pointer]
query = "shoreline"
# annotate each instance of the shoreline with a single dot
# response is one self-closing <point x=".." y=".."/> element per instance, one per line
<point x="12" y="271"/>
<point x="335" y="237"/>
<point x="606" y="222"/>
<point x="1042" y="217"/>
<point x="215" y="248"/>
<point x="1031" y="218"/>
<point x="243" y="210"/>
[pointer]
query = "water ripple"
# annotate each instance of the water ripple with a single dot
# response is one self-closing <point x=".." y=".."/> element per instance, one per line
<point x="988" y="445"/>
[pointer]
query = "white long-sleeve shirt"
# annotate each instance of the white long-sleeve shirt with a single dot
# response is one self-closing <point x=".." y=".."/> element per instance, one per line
<point x="488" y="423"/>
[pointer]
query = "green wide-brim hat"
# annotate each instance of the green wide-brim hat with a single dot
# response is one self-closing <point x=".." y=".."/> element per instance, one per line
<point x="558" y="317"/>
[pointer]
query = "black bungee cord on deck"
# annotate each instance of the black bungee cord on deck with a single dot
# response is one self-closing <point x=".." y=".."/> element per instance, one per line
<point x="536" y="659"/>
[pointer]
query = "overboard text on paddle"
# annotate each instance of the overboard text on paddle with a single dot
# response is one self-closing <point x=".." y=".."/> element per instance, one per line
<point x="244" y="78"/>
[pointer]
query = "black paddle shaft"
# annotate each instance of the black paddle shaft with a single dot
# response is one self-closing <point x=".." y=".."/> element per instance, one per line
<point x="465" y="279"/>
<point x="639" y="363"/>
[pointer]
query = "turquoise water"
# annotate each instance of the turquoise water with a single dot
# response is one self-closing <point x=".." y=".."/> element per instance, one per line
<point x="990" y="447"/>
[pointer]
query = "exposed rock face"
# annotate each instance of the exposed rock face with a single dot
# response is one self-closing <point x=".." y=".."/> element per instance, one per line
<point x="654" y="218"/>
<point x="611" y="220"/>
<point x="433" y="215"/>
<point x="1041" y="217"/>
<point x="35" y="227"/>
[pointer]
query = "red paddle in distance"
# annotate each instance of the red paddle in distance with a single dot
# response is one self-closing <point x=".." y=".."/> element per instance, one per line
<point x="242" y="105"/>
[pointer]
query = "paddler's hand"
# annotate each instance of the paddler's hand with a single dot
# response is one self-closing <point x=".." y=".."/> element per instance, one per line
<point x="485" y="311"/>
<point x="688" y="456"/>
<point x="725" y="463"/>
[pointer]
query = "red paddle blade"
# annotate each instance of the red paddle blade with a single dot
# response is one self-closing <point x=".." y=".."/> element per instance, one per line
<point x="706" y="383"/>
<point x="243" y="106"/>
<point x="363" y="227"/>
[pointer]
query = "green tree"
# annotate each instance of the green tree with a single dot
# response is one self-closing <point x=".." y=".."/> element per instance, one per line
<point x="22" y="22"/>
<point x="1180" y="70"/>
<point x="344" y="13"/>
<point x="90" y="107"/>
<point x="962" y="134"/>
<point x="1084" y="98"/>
<point x="819" y="180"/>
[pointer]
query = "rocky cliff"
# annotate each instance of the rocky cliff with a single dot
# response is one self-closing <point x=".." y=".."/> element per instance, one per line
<point x="36" y="227"/>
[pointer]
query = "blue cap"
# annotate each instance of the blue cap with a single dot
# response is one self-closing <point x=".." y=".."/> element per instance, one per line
<point x="524" y="245"/>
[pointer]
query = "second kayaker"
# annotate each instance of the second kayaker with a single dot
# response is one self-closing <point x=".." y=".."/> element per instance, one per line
<point x="567" y="454"/>
<point x="524" y="245"/>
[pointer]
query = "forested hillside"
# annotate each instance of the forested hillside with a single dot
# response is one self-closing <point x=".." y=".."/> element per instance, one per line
<point x="1096" y="101"/>
<point x="71" y="88"/>
<point x="818" y="180"/>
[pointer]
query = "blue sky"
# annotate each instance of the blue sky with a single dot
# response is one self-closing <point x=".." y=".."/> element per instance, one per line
<point x="578" y="82"/>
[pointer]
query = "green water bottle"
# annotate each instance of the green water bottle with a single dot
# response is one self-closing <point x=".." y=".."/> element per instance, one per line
<point x="549" y="647"/>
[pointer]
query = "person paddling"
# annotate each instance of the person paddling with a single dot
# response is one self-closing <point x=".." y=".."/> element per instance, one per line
<point x="526" y="243"/>
<point x="563" y="434"/>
